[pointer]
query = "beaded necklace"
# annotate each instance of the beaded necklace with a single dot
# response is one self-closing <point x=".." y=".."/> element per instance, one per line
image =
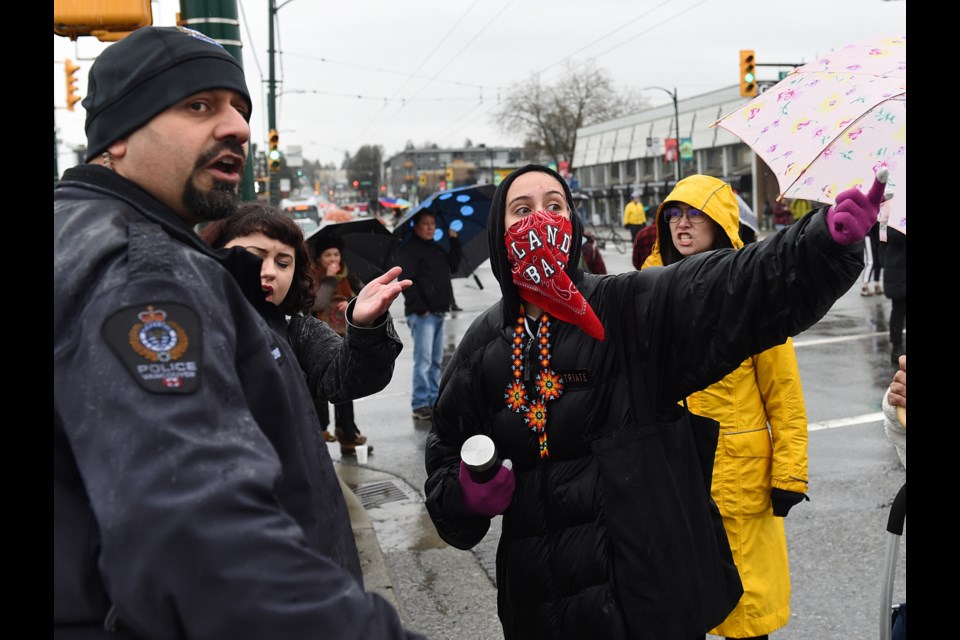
<point x="548" y="384"/>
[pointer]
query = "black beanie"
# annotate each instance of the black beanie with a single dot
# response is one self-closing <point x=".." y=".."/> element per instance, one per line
<point x="323" y="241"/>
<point x="146" y="73"/>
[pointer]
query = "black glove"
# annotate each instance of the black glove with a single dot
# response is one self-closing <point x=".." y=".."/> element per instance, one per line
<point x="783" y="501"/>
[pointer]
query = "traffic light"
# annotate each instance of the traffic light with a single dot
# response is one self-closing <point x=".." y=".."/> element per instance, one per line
<point x="356" y="184"/>
<point x="274" y="154"/>
<point x="70" y="72"/>
<point x="748" y="74"/>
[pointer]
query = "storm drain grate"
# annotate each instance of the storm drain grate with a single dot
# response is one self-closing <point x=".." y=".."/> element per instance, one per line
<point x="379" y="493"/>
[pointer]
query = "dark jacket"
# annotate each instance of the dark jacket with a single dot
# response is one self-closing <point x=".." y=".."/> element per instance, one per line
<point x="192" y="496"/>
<point x="895" y="265"/>
<point x="429" y="266"/>
<point x="681" y="328"/>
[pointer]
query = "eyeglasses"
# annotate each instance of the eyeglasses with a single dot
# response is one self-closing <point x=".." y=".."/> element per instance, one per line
<point x="694" y="216"/>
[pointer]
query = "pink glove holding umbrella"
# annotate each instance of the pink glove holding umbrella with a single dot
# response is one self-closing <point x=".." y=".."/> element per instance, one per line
<point x="855" y="214"/>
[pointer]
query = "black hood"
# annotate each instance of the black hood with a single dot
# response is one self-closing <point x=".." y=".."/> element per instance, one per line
<point x="496" y="229"/>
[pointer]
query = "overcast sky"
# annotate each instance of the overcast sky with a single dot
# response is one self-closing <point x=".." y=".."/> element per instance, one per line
<point x="357" y="72"/>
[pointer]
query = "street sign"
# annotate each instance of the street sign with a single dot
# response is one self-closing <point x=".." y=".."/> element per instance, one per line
<point x="763" y="85"/>
<point x="294" y="155"/>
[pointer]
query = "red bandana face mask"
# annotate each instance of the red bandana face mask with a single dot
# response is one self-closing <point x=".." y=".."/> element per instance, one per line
<point x="538" y="248"/>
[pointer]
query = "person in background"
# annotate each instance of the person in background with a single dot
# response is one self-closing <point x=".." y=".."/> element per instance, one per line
<point x="760" y="466"/>
<point x="426" y="304"/>
<point x="592" y="258"/>
<point x="799" y="208"/>
<point x="873" y="263"/>
<point x="782" y="217"/>
<point x="336" y="287"/>
<point x="895" y="288"/>
<point x="896" y="396"/>
<point x="634" y="215"/>
<point x="643" y="245"/>
<point x="540" y="373"/>
<point x="192" y="496"/>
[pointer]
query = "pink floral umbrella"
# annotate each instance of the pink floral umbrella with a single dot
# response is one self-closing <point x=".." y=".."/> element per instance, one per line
<point x="832" y="124"/>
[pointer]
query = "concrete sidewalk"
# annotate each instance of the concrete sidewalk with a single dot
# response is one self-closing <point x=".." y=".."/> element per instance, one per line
<point x="376" y="575"/>
<point x="439" y="591"/>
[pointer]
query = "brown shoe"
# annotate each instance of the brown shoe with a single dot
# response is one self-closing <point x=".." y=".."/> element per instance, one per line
<point x="329" y="437"/>
<point x="347" y="447"/>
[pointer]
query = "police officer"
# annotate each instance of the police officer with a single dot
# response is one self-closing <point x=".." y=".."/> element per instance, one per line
<point x="192" y="496"/>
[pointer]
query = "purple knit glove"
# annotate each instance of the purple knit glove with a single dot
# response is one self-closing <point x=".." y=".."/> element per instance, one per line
<point x="855" y="213"/>
<point x="492" y="497"/>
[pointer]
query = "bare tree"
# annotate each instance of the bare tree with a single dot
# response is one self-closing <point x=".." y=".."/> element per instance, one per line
<point x="548" y="116"/>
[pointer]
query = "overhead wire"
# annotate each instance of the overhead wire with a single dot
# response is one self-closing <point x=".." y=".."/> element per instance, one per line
<point x="425" y="59"/>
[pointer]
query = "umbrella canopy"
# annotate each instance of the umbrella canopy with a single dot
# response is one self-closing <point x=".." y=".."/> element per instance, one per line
<point x="832" y="124"/>
<point x="464" y="209"/>
<point x="368" y="246"/>
<point x="747" y="216"/>
<point x="395" y="203"/>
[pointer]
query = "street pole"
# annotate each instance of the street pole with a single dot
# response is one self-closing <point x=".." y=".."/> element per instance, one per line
<point x="56" y="151"/>
<point x="272" y="101"/>
<point x="218" y="19"/>
<point x="676" y="120"/>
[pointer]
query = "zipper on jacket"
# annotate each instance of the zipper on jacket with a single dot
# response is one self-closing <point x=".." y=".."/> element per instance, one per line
<point x="526" y="355"/>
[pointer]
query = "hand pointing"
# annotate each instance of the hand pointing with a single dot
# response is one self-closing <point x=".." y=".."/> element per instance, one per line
<point x="855" y="213"/>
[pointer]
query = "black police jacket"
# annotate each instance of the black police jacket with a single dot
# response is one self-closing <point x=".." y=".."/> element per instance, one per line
<point x="192" y="494"/>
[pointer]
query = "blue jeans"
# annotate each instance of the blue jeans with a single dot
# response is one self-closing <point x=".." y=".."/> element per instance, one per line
<point x="427" y="334"/>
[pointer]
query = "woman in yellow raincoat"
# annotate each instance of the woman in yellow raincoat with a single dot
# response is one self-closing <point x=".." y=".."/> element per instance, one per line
<point x="760" y="468"/>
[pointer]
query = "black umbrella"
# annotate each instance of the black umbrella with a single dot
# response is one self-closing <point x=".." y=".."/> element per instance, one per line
<point x="466" y="209"/>
<point x="367" y="246"/>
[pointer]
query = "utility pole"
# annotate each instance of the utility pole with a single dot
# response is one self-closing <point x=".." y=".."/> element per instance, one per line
<point x="676" y="120"/>
<point x="218" y="19"/>
<point x="274" y="191"/>
<point x="56" y="151"/>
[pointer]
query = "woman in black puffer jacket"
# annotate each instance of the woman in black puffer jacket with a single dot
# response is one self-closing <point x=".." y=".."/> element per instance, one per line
<point x="680" y="327"/>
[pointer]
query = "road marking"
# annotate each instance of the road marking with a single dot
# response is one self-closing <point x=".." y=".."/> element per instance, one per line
<point x="816" y="341"/>
<point x="846" y="422"/>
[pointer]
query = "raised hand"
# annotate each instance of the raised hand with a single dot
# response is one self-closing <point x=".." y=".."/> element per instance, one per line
<point x="377" y="296"/>
<point x="854" y="214"/>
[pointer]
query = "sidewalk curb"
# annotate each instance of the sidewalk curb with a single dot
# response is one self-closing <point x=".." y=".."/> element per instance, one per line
<point x="376" y="575"/>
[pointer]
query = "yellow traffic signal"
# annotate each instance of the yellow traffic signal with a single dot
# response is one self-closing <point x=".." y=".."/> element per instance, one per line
<point x="273" y="158"/>
<point x="748" y="74"/>
<point x="70" y="73"/>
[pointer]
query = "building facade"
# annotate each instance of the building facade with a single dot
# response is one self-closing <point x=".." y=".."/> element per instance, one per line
<point x="612" y="159"/>
<point x="414" y="174"/>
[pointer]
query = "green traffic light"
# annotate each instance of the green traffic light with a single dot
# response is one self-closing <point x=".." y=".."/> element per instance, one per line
<point x="274" y="154"/>
<point x="748" y="77"/>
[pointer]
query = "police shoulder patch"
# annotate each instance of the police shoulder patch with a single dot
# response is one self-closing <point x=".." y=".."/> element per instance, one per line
<point x="160" y="344"/>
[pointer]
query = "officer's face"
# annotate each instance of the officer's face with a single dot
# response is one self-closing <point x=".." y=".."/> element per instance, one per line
<point x="191" y="156"/>
<point x="279" y="262"/>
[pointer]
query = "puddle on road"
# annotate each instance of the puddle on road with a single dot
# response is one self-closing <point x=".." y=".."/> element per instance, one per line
<point x="404" y="526"/>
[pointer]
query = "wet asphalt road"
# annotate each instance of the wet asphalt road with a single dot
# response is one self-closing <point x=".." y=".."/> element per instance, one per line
<point x="837" y="542"/>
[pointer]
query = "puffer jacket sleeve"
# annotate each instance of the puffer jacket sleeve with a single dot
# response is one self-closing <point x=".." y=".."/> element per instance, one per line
<point x="340" y="369"/>
<point x="778" y="378"/>
<point x="458" y="414"/>
<point x="709" y="312"/>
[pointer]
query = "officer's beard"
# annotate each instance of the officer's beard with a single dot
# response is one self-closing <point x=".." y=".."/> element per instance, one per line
<point x="219" y="202"/>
